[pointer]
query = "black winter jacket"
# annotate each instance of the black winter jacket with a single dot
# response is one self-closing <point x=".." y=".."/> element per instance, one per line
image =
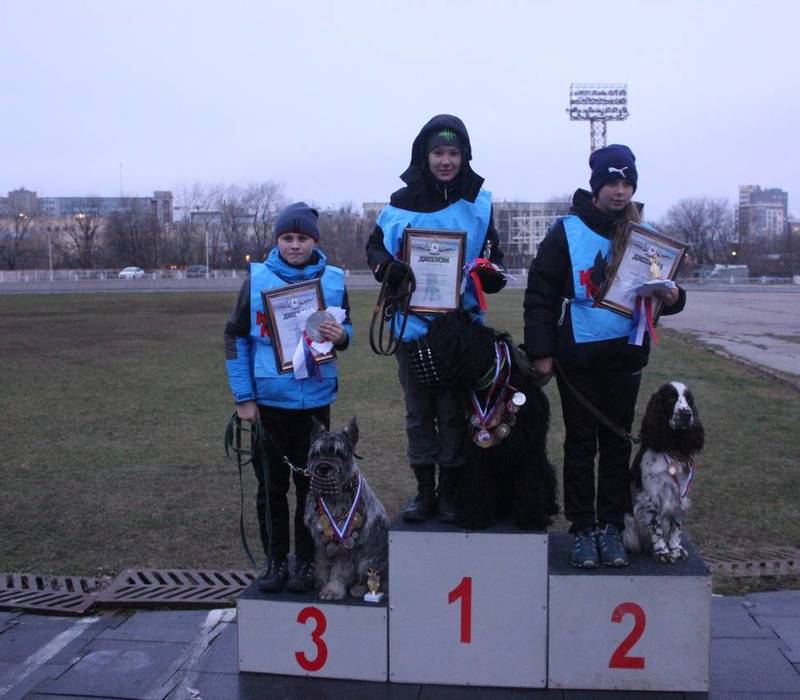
<point x="424" y="193"/>
<point x="550" y="281"/>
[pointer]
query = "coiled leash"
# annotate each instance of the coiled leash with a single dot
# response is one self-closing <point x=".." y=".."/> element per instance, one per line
<point x="242" y="455"/>
<point x="625" y="435"/>
<point x="392" y="299"/>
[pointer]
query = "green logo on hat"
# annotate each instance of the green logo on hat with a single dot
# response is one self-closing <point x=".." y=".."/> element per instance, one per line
<point x="447" y="135"/>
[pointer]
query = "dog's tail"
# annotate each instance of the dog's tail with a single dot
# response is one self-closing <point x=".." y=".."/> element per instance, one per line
<point x="630" y="536"/>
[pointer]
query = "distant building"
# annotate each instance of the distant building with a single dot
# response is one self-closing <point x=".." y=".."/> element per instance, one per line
<point x="762" y="213"/>
<point x="24" y="201"/>
<point x="521" y="226"/>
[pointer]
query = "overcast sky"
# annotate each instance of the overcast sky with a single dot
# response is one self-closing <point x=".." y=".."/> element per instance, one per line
<point x="327" y="97"/>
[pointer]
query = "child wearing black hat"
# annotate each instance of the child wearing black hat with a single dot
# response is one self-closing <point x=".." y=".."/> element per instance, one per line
<point x="442" y="192"/>
<point x="285" y="405"/>
<point x="595" y="358"/>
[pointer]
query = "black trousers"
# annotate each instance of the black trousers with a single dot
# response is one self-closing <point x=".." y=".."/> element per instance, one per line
<point x="291" y="430"/>
<point x="613" y="393"/>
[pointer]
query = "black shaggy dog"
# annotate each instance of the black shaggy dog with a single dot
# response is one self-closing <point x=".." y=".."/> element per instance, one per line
<point x="506" y="474"/>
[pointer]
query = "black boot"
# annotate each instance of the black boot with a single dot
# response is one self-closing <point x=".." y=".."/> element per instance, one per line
<point x="423" y="506"/>
<point x="448" y="488"/>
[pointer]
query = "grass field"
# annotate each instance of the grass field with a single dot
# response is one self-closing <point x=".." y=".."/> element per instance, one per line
<point x="113" y="409"/>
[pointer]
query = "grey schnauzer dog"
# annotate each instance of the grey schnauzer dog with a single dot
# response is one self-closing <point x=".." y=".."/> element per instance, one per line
<point x="348" y="523"/>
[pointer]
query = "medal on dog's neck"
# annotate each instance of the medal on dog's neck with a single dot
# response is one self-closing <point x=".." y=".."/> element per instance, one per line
<point x="341" y="532"/>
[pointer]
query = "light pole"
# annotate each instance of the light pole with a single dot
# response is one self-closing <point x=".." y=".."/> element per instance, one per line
<point x="206" y="249"/>
<point x="50" y="250"/>
<point x="598" y="103"/>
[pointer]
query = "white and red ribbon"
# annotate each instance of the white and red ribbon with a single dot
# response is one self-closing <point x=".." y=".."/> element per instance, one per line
<point x="642" y="321"/>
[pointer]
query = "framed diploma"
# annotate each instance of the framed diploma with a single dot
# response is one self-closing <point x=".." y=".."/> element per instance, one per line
<point x="647" y="258"/>
<point x="287" y="310"/>
<point x="437" y="260"/>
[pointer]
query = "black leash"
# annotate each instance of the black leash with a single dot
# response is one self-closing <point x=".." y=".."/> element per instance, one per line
<point x="236" y="452"/>
<point x="392" y="299"/>
<point x="586" y="404"/>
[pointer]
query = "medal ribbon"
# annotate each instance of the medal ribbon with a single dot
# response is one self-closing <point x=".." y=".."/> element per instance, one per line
<point x="685" y="490"/>
<point x="484" y="415"/>
<point x="642" y="321"/>
<point x="341" y="533"/>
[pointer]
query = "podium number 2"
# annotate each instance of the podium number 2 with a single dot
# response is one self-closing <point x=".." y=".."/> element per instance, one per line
<point x="463" y="591"/>
<point x="620" y="658"/>
<point x="319" y="660"/>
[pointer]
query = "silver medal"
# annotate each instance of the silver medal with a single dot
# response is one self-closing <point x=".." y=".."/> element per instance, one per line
<point x="349" y="543"/>
<point x="313" y="322"/>
<point x="503" y="430"/>
<point x="518" y="399"/>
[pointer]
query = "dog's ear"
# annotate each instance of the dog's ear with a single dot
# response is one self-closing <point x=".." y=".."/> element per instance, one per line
<point x="352" y="432"/>
<point x="316" y="428"/>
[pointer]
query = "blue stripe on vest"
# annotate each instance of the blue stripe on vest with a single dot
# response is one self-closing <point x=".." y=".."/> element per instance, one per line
<point x="589" y="322"/>
<point x="472" y="217"/>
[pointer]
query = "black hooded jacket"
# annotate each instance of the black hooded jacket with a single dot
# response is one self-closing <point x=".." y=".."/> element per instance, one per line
<point x="550" y="281"/>
<point x="424" y="193"/>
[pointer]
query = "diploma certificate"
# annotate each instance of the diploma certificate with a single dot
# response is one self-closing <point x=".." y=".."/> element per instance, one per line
<point x="437" y="260"/>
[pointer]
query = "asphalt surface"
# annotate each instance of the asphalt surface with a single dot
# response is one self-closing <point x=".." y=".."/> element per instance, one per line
<point x="759" y="326"/>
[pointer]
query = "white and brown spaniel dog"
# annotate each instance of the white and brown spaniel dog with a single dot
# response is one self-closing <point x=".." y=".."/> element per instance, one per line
<point x="662" y="473"/>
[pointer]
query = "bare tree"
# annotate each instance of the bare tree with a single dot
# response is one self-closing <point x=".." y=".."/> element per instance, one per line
<point x="706" y="224"/>
<point x="79" y="239"/>
<point x="342" y="236"/>
<point x="15" y="233"/>
<point x="134" y="237"/>
<point x="264" y="202"/>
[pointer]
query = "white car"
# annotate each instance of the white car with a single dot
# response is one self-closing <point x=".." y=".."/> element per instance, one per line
<point x="131" y="273"/>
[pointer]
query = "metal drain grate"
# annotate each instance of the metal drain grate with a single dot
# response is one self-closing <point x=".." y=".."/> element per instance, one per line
<point x="771" y="561"/>
<point x="175" y="587"/>
<point x="58" y="594"/>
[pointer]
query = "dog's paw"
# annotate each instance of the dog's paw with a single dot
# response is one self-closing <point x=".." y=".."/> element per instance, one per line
<point x="677" y="553"/>
<point x="358" y="590"/>
<point x="661" y="551"/>
<point x="332" y="592"/>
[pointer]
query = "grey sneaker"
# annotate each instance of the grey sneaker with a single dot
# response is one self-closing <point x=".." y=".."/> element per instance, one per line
<point x="584" y="549"/>
<point x="612" y="551"/>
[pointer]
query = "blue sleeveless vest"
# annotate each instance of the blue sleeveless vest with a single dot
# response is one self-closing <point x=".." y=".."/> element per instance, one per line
<point x="589" y="322"/>
<point x="273" y="388"/>
<point x="472" y="217"/>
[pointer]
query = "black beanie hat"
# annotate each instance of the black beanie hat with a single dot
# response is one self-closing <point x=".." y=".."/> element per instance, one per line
<point x="297" y="218"/>
<point x="613" y="162"/>
<point x="443" y="137"/>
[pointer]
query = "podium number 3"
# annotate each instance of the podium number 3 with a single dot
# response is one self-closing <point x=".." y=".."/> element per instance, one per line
<point x="463" y="592"/>
<point x="620" y="658"/>
<point x="319" y="660"/>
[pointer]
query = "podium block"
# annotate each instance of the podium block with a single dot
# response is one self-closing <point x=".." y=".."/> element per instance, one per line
<point x="467" y="608"/>
<point x="643" y="627"/>
<point x="300" y="635"/>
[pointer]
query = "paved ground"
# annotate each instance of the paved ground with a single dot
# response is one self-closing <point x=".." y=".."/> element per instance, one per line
<point x="192" y="655"/>
<point x="759" y="325"/>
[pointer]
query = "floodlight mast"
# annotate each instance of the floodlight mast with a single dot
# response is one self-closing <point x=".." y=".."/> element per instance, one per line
<point x="598" y="103"/>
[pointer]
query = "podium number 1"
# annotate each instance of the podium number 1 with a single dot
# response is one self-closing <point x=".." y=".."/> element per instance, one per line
<point x="319" y="660"/>
<point x="620" y="658"/>
<point x="463" y="591"/>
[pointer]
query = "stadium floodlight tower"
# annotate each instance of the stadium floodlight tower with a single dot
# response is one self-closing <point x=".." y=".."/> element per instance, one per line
<point x="598" y="103"/>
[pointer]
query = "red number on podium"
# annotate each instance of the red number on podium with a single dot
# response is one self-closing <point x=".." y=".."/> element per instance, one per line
<point x="319" y="660"/>
<point x="464" y="591"/>
<point x="620" y="658"/>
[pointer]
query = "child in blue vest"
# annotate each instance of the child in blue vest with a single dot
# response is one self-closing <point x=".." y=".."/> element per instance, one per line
<point x="442" y="192"/>
<point x="596" y="359"/>
<point x="284" y="405"/>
